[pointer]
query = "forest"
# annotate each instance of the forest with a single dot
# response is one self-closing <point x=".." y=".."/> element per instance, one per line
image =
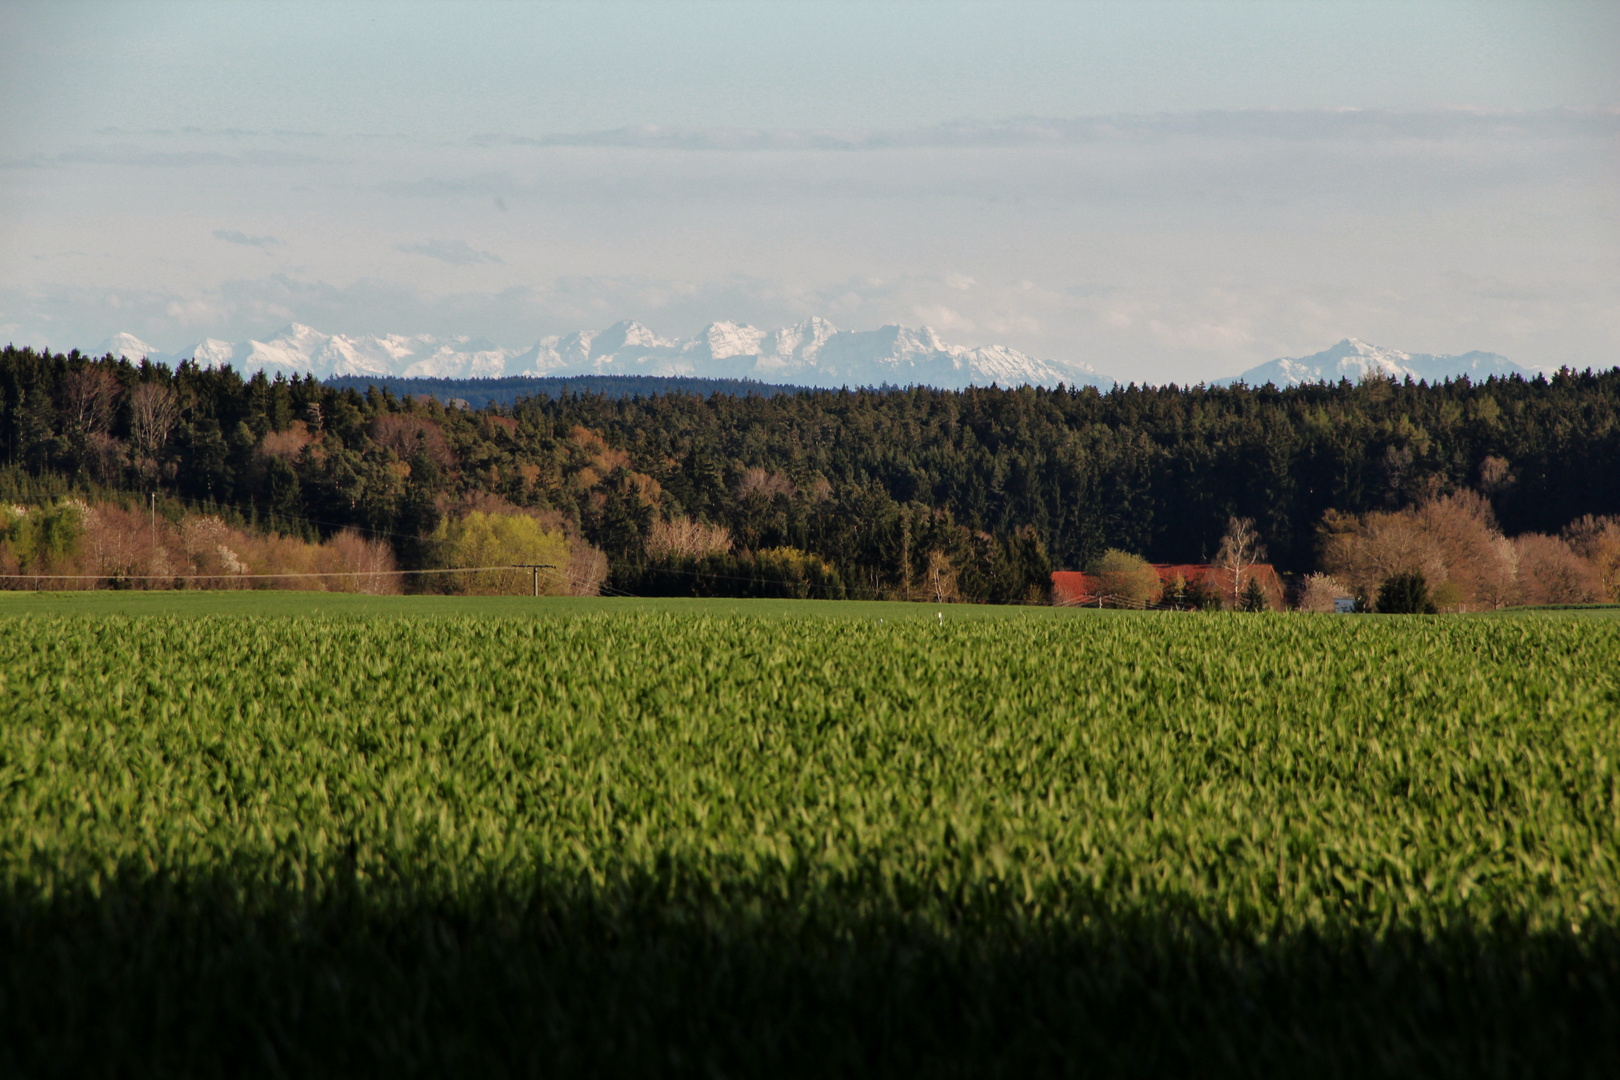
<point x="975" y="494"/>
<point x="507" y="390"/>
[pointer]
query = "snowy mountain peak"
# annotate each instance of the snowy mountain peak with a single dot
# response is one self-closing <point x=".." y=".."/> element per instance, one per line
<point x="809" y="353"/>
<point x="622" y="335"/>
<point x="727" y="339"/>
<point x="300" y="335"/>
<point x="1356" y="360"/>
<point x="212" y="352"/>
<point x="127" y="346"/>
<point x="799" y="342"/>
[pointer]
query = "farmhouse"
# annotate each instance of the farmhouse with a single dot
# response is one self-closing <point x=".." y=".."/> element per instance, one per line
<point x="1073" y="587"/>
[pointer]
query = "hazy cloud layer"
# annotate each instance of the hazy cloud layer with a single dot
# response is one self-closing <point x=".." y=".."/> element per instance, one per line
<point x="1178" y="246"/>
<point x="1269" y="124"/>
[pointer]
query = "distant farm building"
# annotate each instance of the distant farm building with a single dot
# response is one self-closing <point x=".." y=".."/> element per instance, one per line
<point x="1075" y="588"/>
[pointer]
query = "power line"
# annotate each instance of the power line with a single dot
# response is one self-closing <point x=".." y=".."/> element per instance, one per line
<point x="819" y="590"/>
<point x="256" y="577"/>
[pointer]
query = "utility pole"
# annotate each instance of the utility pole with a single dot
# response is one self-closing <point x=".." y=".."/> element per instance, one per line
<point x="154" y="523"/>
<point x="534" y="570"/>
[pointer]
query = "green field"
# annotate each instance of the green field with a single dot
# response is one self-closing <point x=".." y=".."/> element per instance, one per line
<point x="287" y="602"/>
<point x="267" y="602"/>
<point x="639" y="837"/>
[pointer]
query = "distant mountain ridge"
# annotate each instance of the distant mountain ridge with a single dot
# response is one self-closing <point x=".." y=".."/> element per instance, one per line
<point x="811" y="353"/>
<point x="1355" y="360"/>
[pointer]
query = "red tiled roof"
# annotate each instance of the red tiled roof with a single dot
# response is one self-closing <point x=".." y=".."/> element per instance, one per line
<point x="1072" y="587"/>
<point x="1076" y="587"/>
<point x="1188" y="572"/>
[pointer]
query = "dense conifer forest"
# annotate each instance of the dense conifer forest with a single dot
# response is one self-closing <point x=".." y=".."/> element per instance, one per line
<point x="478" y="393"/>
<point x="864" y="492"/>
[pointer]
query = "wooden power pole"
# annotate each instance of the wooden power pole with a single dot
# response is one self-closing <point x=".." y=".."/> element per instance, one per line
<point x="534" y="570"/>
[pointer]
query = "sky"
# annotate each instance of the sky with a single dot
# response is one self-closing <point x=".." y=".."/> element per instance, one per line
<point x="1165" y="191"/>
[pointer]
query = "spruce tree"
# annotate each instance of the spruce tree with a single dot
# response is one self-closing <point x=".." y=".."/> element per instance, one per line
<point x="1405" y="594"/>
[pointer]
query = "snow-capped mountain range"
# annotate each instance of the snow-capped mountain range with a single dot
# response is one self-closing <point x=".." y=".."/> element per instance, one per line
<point x="810" y="353"/>
<point x="1355" y="360"/>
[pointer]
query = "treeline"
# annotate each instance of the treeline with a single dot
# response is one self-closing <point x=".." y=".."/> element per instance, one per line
<point x="975" y="494"/>
<point x="477" y="393"/>
<point x="1447" y="553"/>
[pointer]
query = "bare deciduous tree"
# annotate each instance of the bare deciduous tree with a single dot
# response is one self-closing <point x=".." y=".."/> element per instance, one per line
<point x="765" y="483"/>
<point x="681" y="537"/>
<point x="1550" y="572"/>
<point x="105" y="457"/>
<point x="153" y="410"/>
<point x="1451" y="541"/>
<point x="404" y="435"/>
<point x="1455" y="543"/>
<point x="371" y="561"/>
<point x="1494" y="475"/>
<point x="88" y="397"/>
<point x="940" y="579"/>
<point x="1240" y="549"/>
<point x="1499" y="583"/>
<point x="1597" y="540"/>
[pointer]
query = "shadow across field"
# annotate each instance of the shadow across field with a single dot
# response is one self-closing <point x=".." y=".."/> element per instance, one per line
<point x="157" y="976"/>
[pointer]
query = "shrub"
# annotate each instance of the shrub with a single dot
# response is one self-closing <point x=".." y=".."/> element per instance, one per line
<point x="1405" y="594"/>
<point x="787" y="572"/>
<point x="1320" y="592"/>
<point x="1126" y="580"/>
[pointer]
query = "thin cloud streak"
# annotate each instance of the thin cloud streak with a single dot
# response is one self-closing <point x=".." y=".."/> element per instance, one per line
<point x="454" y="252"/>
<point x="230" y="236"/>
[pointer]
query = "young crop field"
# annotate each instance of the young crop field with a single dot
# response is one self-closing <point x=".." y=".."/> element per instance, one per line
<point x="191" y="603"/>
<point x="770" y="843"/>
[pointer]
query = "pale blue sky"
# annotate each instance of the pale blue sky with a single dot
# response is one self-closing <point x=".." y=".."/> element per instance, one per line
<point x="1161" y="190"/>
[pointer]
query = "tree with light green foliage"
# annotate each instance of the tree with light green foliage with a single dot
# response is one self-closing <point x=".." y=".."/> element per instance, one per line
<point x="38" y="538"/>
<point x="1126" y="580"/>
<point x="478" y="539"/>
<point x="790" y="573"/>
